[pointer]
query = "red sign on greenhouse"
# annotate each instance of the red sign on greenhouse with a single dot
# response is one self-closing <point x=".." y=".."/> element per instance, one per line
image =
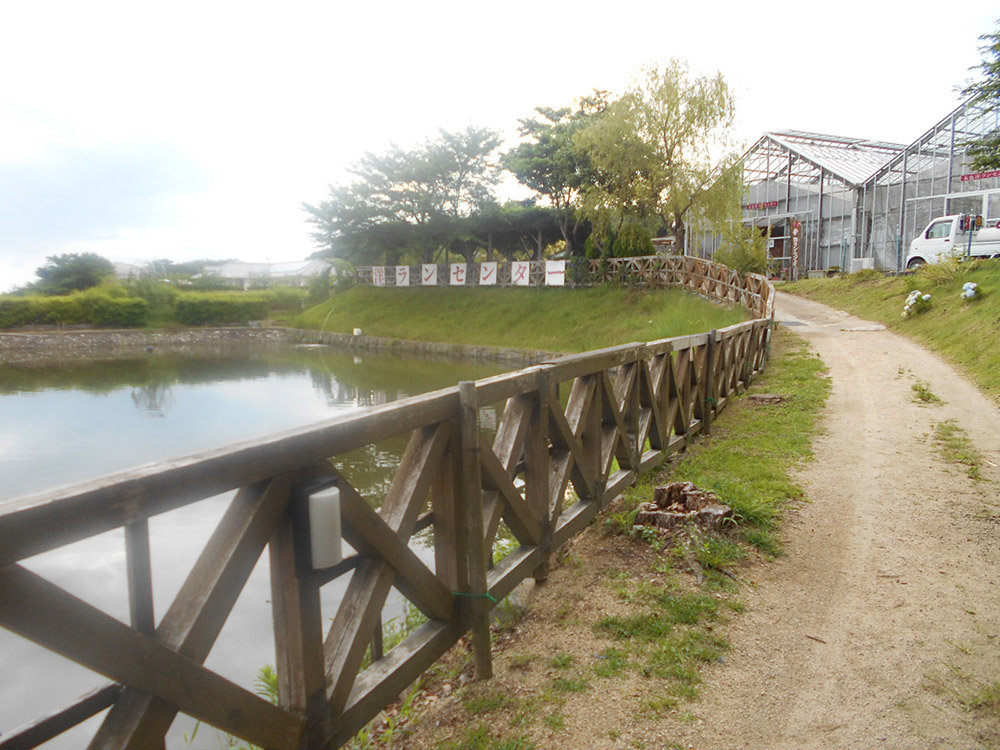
<point x="980" y="175"/>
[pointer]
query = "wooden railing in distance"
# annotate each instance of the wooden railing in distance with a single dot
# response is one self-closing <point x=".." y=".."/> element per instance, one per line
<point x="574" y="433"/>
<point x="704" y="277"/>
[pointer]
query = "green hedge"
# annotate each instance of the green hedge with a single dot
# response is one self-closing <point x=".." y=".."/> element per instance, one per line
<point x="198" y="309"/>
<point x="93" y="308"/>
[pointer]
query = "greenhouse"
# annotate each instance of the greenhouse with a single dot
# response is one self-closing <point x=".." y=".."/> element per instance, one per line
<point x="828" y="202"/>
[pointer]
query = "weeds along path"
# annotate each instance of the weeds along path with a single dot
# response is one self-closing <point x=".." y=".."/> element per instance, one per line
<point x="881" y="625"/>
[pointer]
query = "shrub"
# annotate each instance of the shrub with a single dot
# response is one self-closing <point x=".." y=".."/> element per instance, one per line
<point x="234" y="308"/>
<point x="17" y="311"/>
<point x="633" y="240"/>
<point x="95" y="307"/>
<point x="916" y="302"/>
<point x="745" y="258"/>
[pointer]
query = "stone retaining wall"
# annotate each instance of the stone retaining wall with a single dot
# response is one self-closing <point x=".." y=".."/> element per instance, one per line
<point x="114" y="344"/>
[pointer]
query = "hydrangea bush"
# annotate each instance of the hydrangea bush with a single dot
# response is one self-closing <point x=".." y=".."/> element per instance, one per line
<point x="970" y="291"/>
<point x="916" y="302"/>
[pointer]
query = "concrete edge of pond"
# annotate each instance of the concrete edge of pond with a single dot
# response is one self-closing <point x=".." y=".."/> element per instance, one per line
<point x="78" y="343"/>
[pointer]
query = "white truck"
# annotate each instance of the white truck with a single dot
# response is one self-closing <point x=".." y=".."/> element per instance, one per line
<point x="947" y="236"/>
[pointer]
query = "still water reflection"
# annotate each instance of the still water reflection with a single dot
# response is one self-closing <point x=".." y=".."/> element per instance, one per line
<point x="72" y="422"/>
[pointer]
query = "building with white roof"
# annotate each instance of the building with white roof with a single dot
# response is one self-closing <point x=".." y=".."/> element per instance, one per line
<point x="247" y="275"/>
<point x="828" y="201"/>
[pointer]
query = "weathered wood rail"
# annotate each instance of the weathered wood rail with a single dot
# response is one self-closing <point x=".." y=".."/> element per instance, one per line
<point x="575" y="432"/>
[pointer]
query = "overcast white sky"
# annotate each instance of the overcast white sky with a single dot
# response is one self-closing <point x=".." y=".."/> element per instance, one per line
<point x="191" y="130"/>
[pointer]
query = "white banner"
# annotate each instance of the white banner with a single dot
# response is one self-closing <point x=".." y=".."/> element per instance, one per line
<point x="458" y="274"/>
<point x="378" y="275"/>
<point x="487" y="274"/>
<point x="429" y="274"/>
<point x="402" y="275"/>
<point x="520" y="273"/>
<point x="555" y="272"/>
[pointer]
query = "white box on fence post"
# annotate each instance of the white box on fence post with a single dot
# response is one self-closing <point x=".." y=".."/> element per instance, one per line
<point x="429" y="274"/>
<point x="458" y="274"/>
<point x="402" y="275"/>
<point x="324" y="528"/>
<point x="378" y="275"/>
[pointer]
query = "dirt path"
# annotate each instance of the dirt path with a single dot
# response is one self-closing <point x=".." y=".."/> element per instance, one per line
<point x="883" y="617"/>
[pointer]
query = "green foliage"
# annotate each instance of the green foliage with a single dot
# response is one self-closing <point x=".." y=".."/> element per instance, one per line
<point x="744" y="249"/>
<point x="985" y="151"/>
<point x="953" y="267"/>
<point x="71" y="272"/>
<point x="408" y="199"/>
<point x="99" y="307"/>
<point x="220" y="308"/>
<point x="633" y="239"/>
<point x="553" y="164"/>
<point x="656" y="150"/>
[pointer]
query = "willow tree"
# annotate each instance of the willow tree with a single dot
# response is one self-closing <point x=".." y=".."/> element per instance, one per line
<point x="658" y="149"/>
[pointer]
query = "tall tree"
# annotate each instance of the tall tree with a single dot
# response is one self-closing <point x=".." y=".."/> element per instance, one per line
<point x="553" y="164"/>
<point x="407" y="200"/>
<point x="71" y="272"/>
<point x="985" y="151"/>
<point x="659" y="148"/>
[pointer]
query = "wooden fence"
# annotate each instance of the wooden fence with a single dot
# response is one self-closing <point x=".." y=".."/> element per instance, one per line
<point x="704" y="277"/>
<point x="574" y="433"/>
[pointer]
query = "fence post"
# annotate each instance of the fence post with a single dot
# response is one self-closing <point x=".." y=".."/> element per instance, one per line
<point x="710" y="385"/>
<point x="298" y="624"/>
<point x="472" y="505"/>
<point x="536" y="461"/>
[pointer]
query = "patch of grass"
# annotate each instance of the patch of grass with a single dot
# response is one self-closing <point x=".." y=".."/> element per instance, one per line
<point x="957" y="448"/>
<point x="658" y="707"/>
<point x="951" y="326"/>
<point x="923" y="394"/>
<point x="481" y="737"/>
<point x="552" y="319"/>
<point x="521" y="661"/>
<point x="478" y="701"/>
<point x="555" y="721"/>
<point x="562" y="660"/>
<point x="611" y="662"/>
<point x="985" y="700"/>
<point x="570" y="684"/>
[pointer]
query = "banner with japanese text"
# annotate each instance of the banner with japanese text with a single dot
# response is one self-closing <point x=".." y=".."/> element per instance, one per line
<point x="458" y="274"/>
<point x="429" y="274"/>
<point x="402" y="275"/>
<point x="487" y="274"/>
<point x="520" y="273"/>
<point x="555" y="272"/>
<point x="378" y="275"/>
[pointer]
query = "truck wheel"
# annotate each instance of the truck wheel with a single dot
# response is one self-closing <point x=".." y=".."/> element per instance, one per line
<point x="914" y="263"/>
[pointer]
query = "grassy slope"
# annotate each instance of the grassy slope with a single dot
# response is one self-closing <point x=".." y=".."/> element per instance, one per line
<point x="964" y="332"/>
<point x="552" y="319"/>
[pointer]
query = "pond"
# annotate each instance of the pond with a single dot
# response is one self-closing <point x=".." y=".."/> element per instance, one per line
<point x="68" y="422"/>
